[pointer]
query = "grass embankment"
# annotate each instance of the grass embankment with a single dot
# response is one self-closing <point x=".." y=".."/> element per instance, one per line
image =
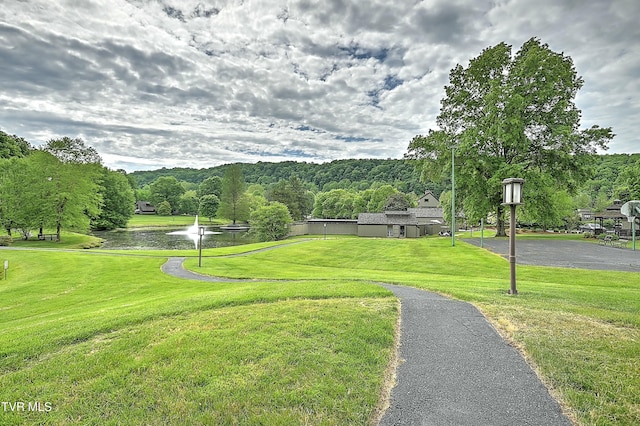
<point x="580" y="328"/>
<point x="111" y="340"/>
<point x="68" y="240"/>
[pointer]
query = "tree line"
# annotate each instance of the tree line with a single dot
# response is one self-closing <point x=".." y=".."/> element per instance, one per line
<point x="61" y="185"/>
<point x="350" y="174"/>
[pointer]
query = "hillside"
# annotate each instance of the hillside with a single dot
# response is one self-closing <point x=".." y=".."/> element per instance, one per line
<point x="357" y="174"/>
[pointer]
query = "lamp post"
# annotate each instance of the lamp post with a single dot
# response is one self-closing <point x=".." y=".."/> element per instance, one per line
<point x="200" y="235"/>
<point x="325" y="230"/>
<point x="512" y="192"/>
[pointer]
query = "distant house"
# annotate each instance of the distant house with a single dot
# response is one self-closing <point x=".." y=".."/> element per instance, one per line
<point x="144" y="207"/>
<point x="586" y="215"/>
<point x="425" y="219"/>
<point x="395" y="224"/>
<point x="428" y="200"/>
<point x="429" y="214"/>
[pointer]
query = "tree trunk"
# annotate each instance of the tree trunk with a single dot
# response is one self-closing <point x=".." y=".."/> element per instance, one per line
<point x="500" y="228"/>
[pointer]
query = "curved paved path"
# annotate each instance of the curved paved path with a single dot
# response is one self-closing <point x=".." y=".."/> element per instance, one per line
<point x="455" y="369"/>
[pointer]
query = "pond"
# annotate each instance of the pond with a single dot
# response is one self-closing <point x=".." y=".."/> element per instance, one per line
<point x="157" y="239"/>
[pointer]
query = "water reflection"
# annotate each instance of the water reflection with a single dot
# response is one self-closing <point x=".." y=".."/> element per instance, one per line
<point x="157" y="239"/>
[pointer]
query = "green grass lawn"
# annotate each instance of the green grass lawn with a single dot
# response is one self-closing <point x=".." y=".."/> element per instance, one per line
<point x="109" y="339"/>
<point x="581" y="329"/>
<point x="68" y="240"/>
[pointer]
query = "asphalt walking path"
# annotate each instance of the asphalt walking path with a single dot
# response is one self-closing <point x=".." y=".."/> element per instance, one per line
<point x="454" y="368"/>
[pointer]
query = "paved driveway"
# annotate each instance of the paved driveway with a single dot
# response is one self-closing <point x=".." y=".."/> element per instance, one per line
<point x="566" y="254"/>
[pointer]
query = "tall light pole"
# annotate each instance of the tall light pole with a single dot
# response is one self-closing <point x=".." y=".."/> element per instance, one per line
<point x="512" y="191"/>
<point x="200" y="235"/>
<point x="453" y="196"/>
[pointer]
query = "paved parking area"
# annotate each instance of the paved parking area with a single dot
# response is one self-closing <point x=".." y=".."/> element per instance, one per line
<point x="566" y="253"/>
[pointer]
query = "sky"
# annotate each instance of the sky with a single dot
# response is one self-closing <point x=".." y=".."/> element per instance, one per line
<point x="181" y="83"/>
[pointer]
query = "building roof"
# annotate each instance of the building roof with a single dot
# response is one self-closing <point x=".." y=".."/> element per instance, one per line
<point x="611" y="212"/>
<point x="145" y="206"/>
<point x="316" y="220"/>
<point x="428" y="200"/>
<point x="387" y="218"/>
<point x="427" y="212"/>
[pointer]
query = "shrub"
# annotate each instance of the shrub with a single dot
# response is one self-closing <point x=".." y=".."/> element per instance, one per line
<point x="5" y="240"/>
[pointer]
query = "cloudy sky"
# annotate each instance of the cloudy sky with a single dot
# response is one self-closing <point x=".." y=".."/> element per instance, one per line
<point x="198" y="83"/>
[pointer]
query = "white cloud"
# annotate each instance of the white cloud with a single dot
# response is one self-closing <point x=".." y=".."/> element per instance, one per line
<point x="199" y="83"/>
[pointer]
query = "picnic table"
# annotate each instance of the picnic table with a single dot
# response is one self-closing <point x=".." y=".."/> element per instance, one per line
<point x="608" y="240"/>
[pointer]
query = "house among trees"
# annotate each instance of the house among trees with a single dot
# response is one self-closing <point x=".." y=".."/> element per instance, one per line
<point x="426" y="219"/>
<point x="395" y="224"/>
<point x="585" y="215"/>
<point x="429" y="214"/>
<point x="144" y="207"/>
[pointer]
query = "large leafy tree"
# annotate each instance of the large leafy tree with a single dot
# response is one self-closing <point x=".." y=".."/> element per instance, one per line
<point x="20" y="194"/>
<point x="335" y="204"/>
<point x="233" y="203"/>
<point x="13" y="146"/>
<point x="294" y="195"/>
<point x="70" y="150"/>
<point x="118" y="201"/>
<point x="166" y="188"/>
<point x="510" y="116"/>
<point x="210" y="186"/>
<point x="75" y="178"/>
<point x="41" y="191"/>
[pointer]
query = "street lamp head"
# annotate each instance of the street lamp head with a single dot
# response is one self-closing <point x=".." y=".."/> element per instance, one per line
<point x="512" y="191"/>
<point x="201" y="231"/>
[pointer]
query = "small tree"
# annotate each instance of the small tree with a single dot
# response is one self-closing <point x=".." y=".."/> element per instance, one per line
<point x="209" y="206"/>
<point x="269" y="223"/>
<point x="397" y="202"/>
<point x="233" y="204"/>
<point x="188" y="203"/>
<point x="164" y="208"/>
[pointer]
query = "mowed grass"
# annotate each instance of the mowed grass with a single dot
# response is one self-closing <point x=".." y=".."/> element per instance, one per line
<point x="579" y="328"/>
<point x="107" y="339"/>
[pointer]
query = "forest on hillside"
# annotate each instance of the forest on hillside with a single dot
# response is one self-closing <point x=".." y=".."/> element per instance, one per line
<point x="338" y="174"/>
<point x="614" y="176"/>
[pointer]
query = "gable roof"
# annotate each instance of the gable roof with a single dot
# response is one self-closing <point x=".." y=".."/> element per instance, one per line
<point x="427" y="212"/>
<point x="388" y="218"/>
<point x="428" y="200"/>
